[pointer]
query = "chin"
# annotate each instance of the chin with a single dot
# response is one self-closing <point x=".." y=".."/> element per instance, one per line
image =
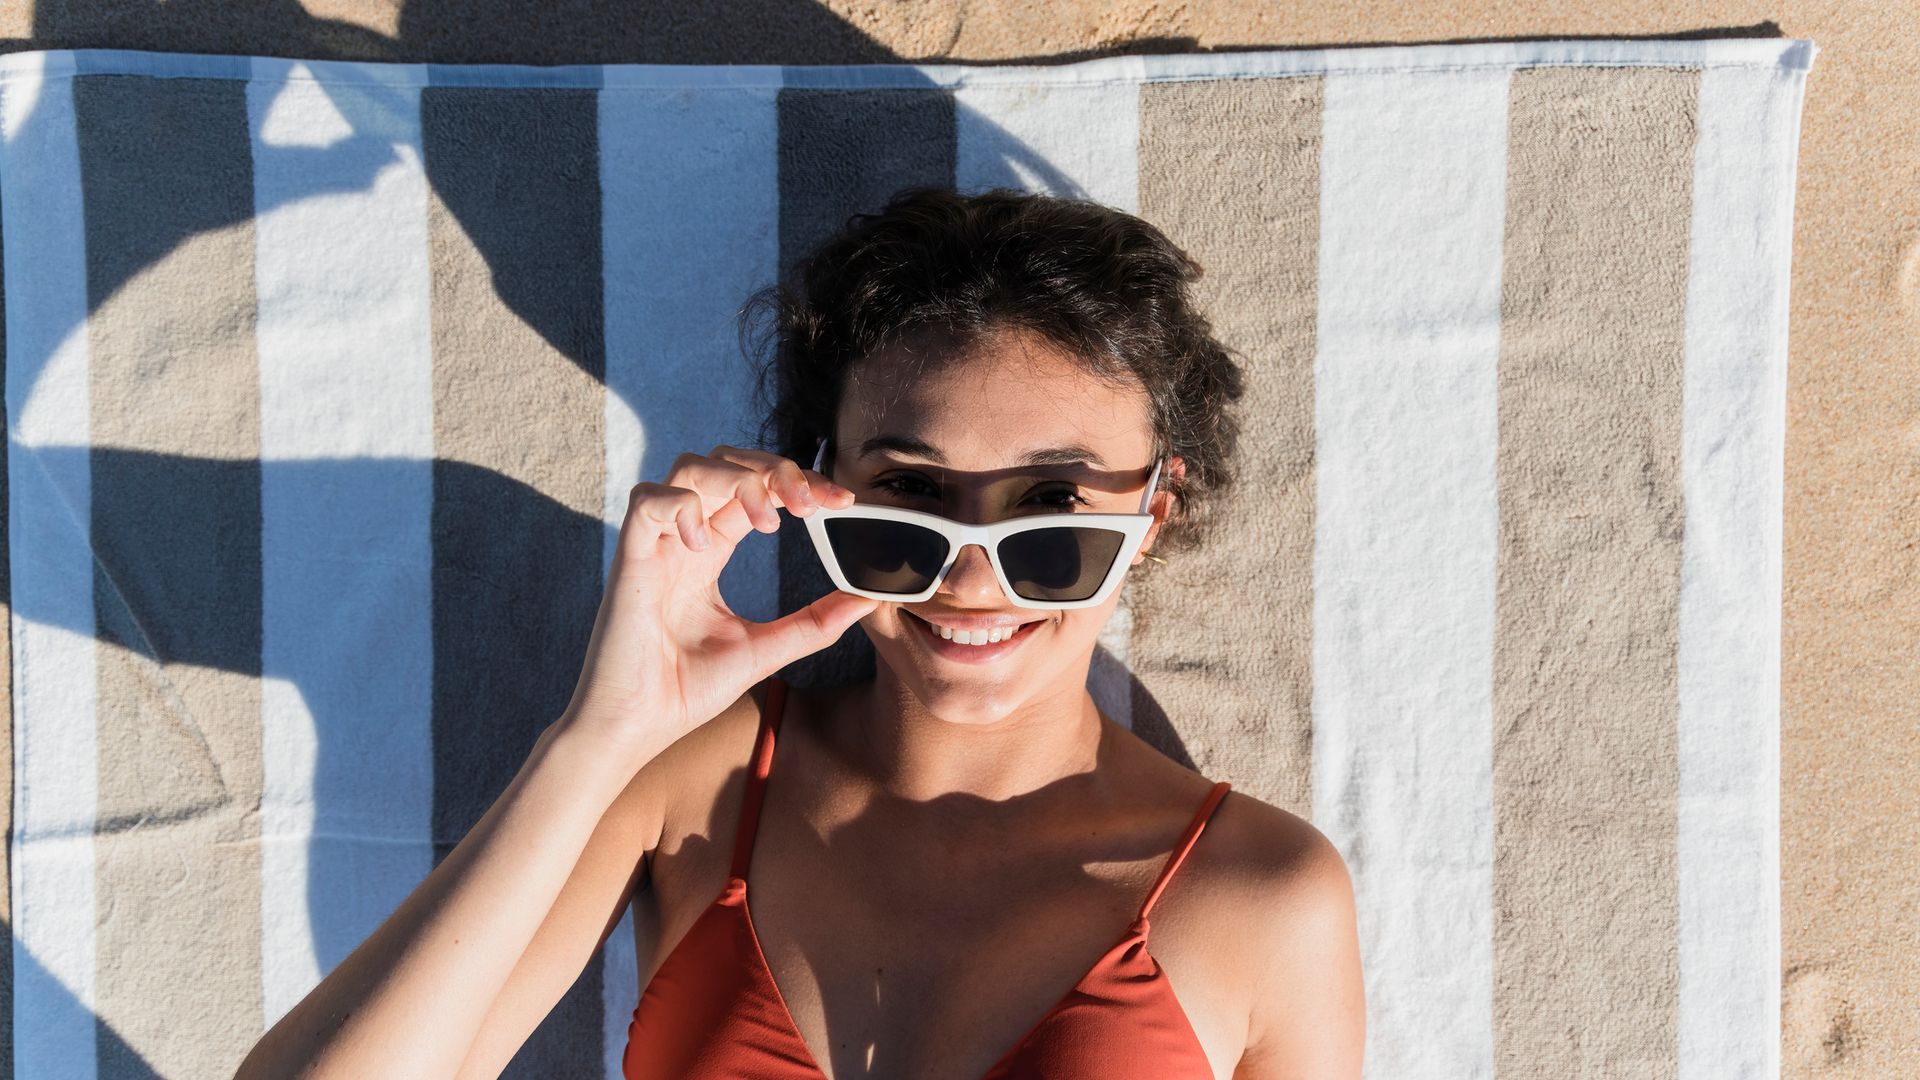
<point x="962" y="705"/>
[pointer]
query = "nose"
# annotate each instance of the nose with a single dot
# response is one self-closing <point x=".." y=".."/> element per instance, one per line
<point x="971" y="582"/>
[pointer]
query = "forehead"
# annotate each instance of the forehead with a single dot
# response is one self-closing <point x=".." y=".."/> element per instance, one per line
<point x="989" y="401"/>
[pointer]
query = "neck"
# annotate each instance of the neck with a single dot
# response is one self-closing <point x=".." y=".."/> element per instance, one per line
<point x="910" y="753"/>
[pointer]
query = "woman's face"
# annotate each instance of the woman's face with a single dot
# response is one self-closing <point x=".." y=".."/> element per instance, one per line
<point x="951" y="436"/>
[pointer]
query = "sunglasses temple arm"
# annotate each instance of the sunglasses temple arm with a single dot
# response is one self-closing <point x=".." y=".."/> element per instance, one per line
<point x="1146" y="497"/>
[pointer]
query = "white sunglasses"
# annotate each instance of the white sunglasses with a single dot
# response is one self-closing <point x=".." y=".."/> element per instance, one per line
<point x="1049" y="561"/>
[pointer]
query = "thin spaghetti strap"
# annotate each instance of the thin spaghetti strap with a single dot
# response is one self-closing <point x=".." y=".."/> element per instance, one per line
<point x="761" y="764"/>
<point x="1192" y="834"/>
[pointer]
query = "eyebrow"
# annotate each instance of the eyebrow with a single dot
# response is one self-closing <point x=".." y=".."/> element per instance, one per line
<point x="909" y="446"/>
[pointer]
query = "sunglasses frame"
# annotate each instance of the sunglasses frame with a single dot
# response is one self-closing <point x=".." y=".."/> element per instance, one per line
<point x="1132" y="527"/>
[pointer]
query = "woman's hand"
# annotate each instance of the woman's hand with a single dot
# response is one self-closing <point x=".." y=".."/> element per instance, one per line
<point x="667" y="654"/>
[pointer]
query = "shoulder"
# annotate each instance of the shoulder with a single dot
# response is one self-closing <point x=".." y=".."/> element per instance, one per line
<point x="1298" y="950"/>
<point x="1283" y="875"/>
<point x="695" y="772"/>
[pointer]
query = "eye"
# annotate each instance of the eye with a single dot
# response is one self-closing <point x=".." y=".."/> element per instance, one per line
<point x="914" y="486"/>
<point x="906" y="485"/>
<point x="1060" y="498"/>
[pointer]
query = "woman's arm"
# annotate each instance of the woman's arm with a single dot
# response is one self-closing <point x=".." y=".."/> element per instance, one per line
<point x="666" y="655"/>
<point x="411" y="998"/>
<point x="690" y="774"/>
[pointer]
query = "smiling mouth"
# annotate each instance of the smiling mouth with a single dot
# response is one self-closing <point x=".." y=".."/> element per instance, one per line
<point x="956" y="648"/>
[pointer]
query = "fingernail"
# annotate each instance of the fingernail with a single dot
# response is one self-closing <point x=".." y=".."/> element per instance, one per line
<point x="700" y="539"/>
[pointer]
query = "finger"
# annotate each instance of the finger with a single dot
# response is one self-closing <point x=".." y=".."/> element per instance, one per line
<point x="799" y="490"/>
<point x="693" y="525"/>
<point x="814" y="627"/>
<point x="653" y="509"/>
<point x="730" y="522"/>
<point x="790" y="481"/>
<point x="830" y="493"/>
<point x="781" y="476"/>
<point x="823" y="488"/>
<point x="711" y="477"/>
<point x="717" y="481"/>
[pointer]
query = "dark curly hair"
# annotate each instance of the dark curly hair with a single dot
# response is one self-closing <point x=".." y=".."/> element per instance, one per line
<point x="1100" y="283"/>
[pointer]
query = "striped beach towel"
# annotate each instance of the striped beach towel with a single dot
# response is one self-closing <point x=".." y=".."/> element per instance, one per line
<point x="326" y="382"/>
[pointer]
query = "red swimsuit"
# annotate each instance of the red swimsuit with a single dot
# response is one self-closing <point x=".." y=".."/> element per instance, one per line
<point x="712" y="1011"/>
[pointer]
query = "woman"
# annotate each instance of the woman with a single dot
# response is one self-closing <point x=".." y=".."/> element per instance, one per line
<point x="960" y="869"/>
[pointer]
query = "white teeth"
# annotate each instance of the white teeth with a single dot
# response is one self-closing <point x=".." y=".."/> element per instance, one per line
<point x="974" y="637"/>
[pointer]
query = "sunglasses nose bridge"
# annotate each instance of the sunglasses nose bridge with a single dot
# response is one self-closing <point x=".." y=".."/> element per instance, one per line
<point x="979" y="553"/>
<point x="973" y="537"/>
<point x="971" y="575"/>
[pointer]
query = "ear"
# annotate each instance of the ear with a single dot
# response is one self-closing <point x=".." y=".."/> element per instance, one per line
<point x="1161" y="505"/>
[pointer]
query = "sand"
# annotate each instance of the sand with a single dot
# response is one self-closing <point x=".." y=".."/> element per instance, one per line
<point x="1850" y="786"/>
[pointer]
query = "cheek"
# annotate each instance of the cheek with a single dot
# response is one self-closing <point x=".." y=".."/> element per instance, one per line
<point x="1082" y="626"/>
<point x="885" y="623"/>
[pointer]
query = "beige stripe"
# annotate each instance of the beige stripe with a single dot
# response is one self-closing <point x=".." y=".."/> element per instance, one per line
<point x="519" y="437"/>
<point x="174" y="383"/>
<point x="1230" y="170"/>
<point x="506" y="401"/>
<point x="1586" y="775"/>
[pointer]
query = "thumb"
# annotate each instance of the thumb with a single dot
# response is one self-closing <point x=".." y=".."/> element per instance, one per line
<point x="814" y="627"/>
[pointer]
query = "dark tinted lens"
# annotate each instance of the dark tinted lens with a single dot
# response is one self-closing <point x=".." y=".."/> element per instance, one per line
<point x="886" y="556"/>
<point x="1065" y="563"/>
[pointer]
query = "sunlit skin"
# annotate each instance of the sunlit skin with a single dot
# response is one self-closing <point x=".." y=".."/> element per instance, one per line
<point x="927" y="725"/>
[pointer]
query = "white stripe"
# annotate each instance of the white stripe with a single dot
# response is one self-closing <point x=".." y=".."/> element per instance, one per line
<point x="346" y="448"/>
<point x="690" y="196"/>
<point x="50" y="498"/>
<point x="1412" y="207"/>
<point x="1076" y="141"/>
<point x="1733" y="438"/>
<point x="1079" y="141"/>
<point x="1792" y="53"/>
